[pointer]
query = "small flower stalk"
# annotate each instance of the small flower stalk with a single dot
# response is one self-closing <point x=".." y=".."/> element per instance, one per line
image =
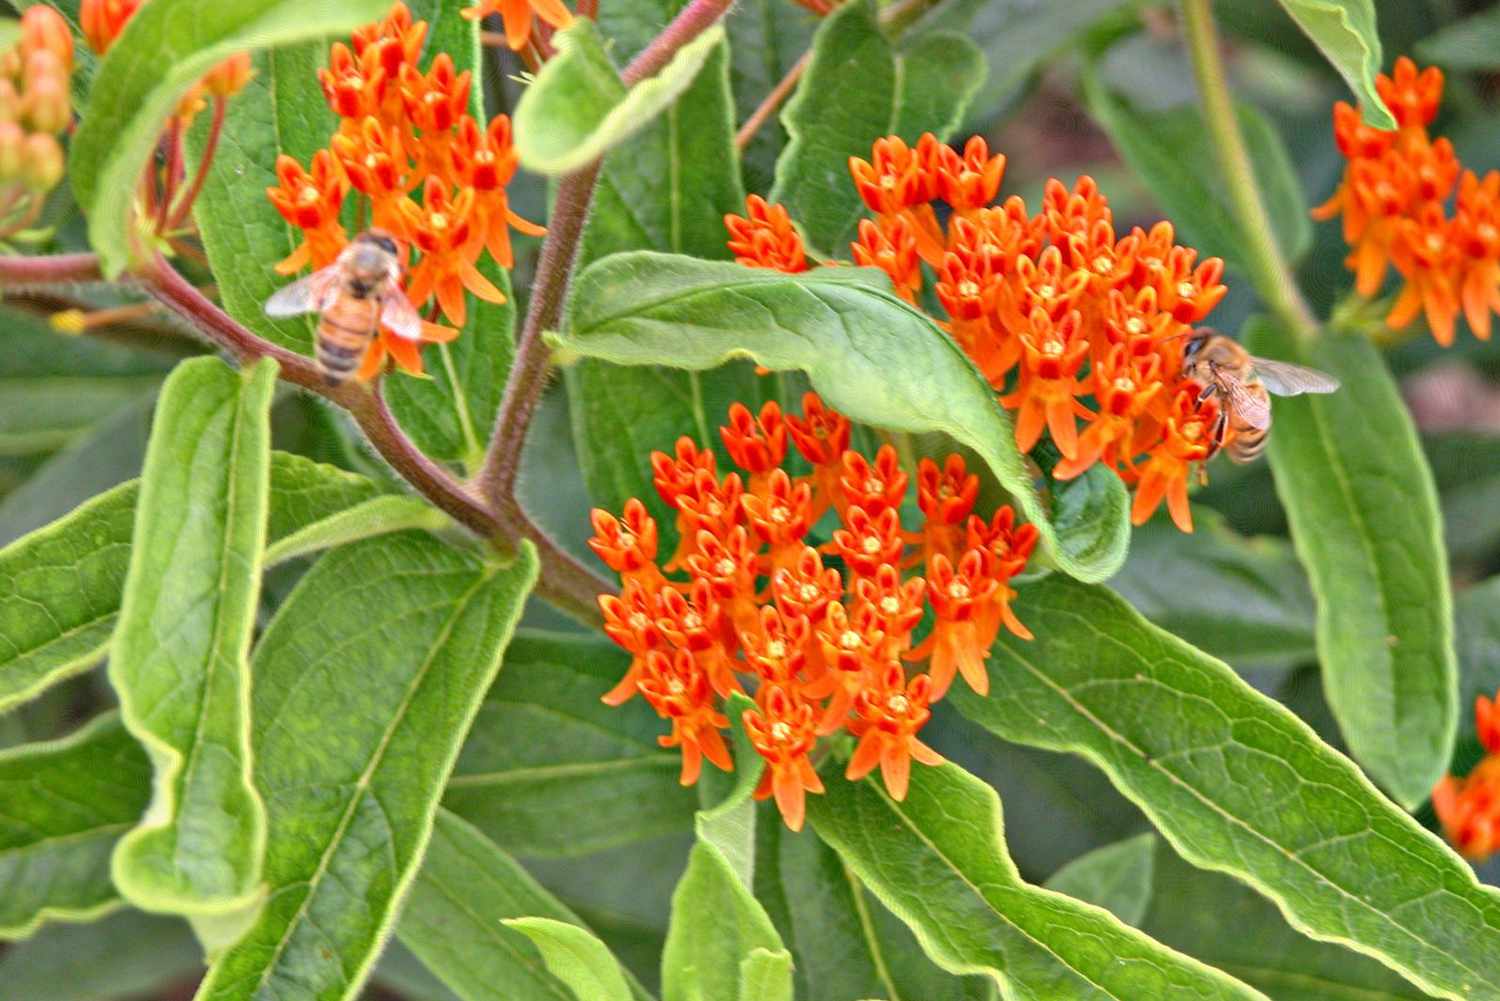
<point x="1469" y="807"/>
<point x="415" y="163"/>
<point x="823" y="634"/>
<point x="35" y="111"/>
<point x="1079" y="330"/>
<point x="1394" y="202"/>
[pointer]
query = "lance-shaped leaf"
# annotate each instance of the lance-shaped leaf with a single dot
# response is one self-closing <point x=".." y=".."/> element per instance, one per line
<point x="1470" y="44"/>
<point x="578" y="108"/>
<point x="920" y="87"/>
<point x="1239" y="784"/>
<point x="1170" y="150"/>
<point x="178" y="659"/>
<point x="162" y="52"/>
<point x="63" y="805"/>
<point x="576" y="957"/>
<point x="549" y="770"/>
<point x="1344" y="31"/>
<point x="1223" y="923"/>
<point x="127" y="954"/>
<point x="1364" y="516"/>
<point x="402" y="635"/>
<point x="666" y="189"/>
<point x="865" y="351"/>
<point x="938" y="860"/>
<point x="455" y="921"/>
<point x="60" y="586"/>
<point x="717" y="924"/>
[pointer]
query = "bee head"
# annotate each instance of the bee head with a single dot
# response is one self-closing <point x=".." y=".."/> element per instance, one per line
<point x="373" y="257"/>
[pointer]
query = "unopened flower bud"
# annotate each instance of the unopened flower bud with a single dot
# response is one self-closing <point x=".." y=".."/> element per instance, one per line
<point x="191" y="103"/>
<point x="103" y="20"/>
<point x="42" y="162"/>
<point x="10" y="63"/>
<point x="12" y="151"/>
<point x="47" y="107"/>
<point x="43" y="29"/>
<point x="229" y="77"/>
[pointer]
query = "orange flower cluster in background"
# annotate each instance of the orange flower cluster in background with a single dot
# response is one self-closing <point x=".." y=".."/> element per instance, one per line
<point x="35" y="107"/>
<point x="1394" y="201"/>
<point x="751" y="597"/>
<point x="402" y="130"/>
<point x="1067" y="320"/>
<point x="519" y="17"/>
<point x="1469" y="808"/>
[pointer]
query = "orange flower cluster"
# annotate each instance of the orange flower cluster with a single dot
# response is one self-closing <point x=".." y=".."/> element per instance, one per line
<point x="821" y="647"/>
<point x="519" y="17"/>
<point x="1469" y="808"/>
<point x="401" y="129"/>
<point x="1065" y="319"/>
<point x="1394" y="198"/>
<point x="35" y="106"/>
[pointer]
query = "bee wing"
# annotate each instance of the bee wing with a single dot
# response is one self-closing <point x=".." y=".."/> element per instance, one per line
<point x="1286" y="379"/>
<point x="398" y="314"/>
<point x="312" y="294"/>
<point x="1253" y="410"/>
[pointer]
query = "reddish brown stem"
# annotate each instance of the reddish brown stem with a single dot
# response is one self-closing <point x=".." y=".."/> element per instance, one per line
<point x="772" y="101"/>
<point x="210" y="146"/>
<point x="589" y="9"/>
<point x="174" y="167"/>
<point x="17" y="273"/>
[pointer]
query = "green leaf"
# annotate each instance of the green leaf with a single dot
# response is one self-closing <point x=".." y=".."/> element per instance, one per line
<point x="938" y="860"/>
<point x="63" y="805"/>
<point x="127" y="954"/>
<point x="60" y="586"/>
<point x="549" y="770"/>
<point x="1469" y="44"/>
<point x="766" y="975"/>
<point x="904" y="374"/>
<point x="1244" y="600"/>
<point x="1466" y="469"/>
<point x="575" y="957"/>
<point x="281" y="110"/>
<point x="403" y="635"/>
<point x="377" y="516"/>
<point x="1240" y="785"/>
<point x="717" y="924"/>
<point x="1171" y="152"/>
<point x="55" y="387"/>
<point x="923" y="86"/>
<point x="456" y="920"/>
<point x="1364" y="517"/>
<point x="1344" y="31"/>
<point x="1116" y="877"/>
<point x="1476" y="615"/>
<point x="577" y="109"/>
<point x="178" y="660"/>
<point x="161" y="53"/>
<point x="766" y="38"/>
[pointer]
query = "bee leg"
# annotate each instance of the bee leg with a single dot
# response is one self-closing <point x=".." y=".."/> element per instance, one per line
<point x="1208" y="391"/>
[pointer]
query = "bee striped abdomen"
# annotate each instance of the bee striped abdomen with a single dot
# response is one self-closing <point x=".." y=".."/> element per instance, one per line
<point x="1247" y="445"/>
<point x="344" y="334"/>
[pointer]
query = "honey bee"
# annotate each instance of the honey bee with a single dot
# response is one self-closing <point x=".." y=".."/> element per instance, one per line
<point x="355" y="296"/>
<point x="1243" y="384"/>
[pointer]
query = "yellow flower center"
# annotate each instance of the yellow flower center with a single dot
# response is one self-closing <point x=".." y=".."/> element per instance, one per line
<point x="438" y="221"/>
<point x="484" y="156"/>
<point x="1434" y="241"/>
<point x="968" y="289"/>
<point x="1125" y="385"/>
<point x="958" y="589"/>
<point x="781" y="514"/>
<point x="1135" y="325"/>
<point x="627" y="541"/>
<point x="776" y="649"/>
<point x="1487" y="232"/>
<point x="724" y="567"/>
<point x="888" y="182"/>
<point x="692" y="620"/>
<point x="676" y="687"/>
<point x="808" y="592"/>
<point x="1045" y="291"/>
<point x="780" y="732"/>
<point x="639" y="620"/>
<point x="1186" y="289"/>
<point x="898" y="704"/>
<point x="1104" y="264"/>
<point x="850" y="640"/>
<point x="308" y="195"/>
<point x="874" y="485"/>
<point x="890" y="604"/>
<point x="372" y="161"/>
<point x="871" y="545"/>
<point x="1052" y="347"/>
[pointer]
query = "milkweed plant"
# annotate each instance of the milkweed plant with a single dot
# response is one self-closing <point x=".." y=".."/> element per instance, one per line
<point x="507" y="500"/>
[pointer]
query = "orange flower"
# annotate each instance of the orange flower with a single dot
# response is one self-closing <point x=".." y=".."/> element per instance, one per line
<point x="486" y="161"/>
<point x="764" y="237"/>
<point x="405" y="352"/>
<point x="519" y="15"/>
<point x="443" y="229"/>
<point x="1412" y="97"/>
<point x="311" y="202"/>
<point x="1053" y="354"/>
<point x="628" y="547"/>
<point x="896" y="184"/>
<point x="630" y="620"/>
<point x="396" y="40"/>
<point x="1188" y="438"/>
<point x="777" y="651"/>
<point x="1425" y="255"/>
<point x="229" y="77"/>
<point x="971" y="181"/>
<point x="1125" y="384"/>
<point x="678" y="690"/>
<point x="1476" y="234"/>
<point x="891" y="247"/>
<point x="806" y="588"/>
<point x="956" y="643"/>
<point x="875" y="487"/>
<point x="867" y="540"/>
<point x="946" y="496"/>
<point x="697" y="624"/>
<point x="103" y="20"/>
<point x="356" y="87"/>
<point x="376" y="165"/>
<point x="887" y="718"/>
<point x="1469" y="808"/>
<point x="44" y="30"/>
<point x="897" y="606"/>
<point x="822" y="436"/>
<point x="781" y="730"/>
<point x="756" y="444"/>
<point x="781" y="517"/>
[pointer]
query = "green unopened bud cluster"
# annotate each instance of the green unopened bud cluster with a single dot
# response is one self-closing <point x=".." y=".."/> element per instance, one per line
<point x="35" y="108"/>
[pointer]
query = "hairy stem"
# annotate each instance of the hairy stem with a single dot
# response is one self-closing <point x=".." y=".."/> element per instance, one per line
<point x="1269" y="270"/>
<point x="496" y="481"/>
<point x="21" y="273"/>
<point x="771" y="102"/>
